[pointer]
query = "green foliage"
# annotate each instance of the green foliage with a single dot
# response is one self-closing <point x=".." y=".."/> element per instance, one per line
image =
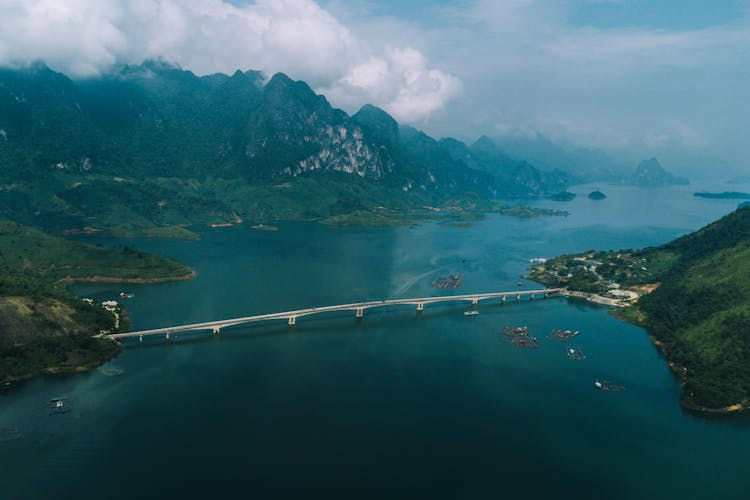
<point x="699" y="313"/>
<point x="55" y="353"/>
<point x="42" y="326"/>
<point x="30" y="250"/>
<point x="152" y="147"/>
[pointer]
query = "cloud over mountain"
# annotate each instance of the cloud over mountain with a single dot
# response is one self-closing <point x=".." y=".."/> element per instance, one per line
<point x="85" y="37"/>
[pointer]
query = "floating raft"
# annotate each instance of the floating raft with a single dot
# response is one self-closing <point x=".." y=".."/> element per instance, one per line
<point x="562" y="335"/>
<point x="450" y="281"/>
<point x="575" y="353"/>
<point x="519" y="336"/>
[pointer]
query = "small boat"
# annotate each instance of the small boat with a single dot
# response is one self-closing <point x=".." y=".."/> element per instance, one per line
<point x="606" y="385"/>
<point x="471" y="313"/>
<point x="58" y="405"/>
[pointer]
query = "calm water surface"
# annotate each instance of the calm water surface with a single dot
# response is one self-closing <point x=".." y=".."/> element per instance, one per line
<point x="393" y="405"/>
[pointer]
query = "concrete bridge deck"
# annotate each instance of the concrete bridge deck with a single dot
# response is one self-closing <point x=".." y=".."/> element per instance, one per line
<point x="358" y="307"/>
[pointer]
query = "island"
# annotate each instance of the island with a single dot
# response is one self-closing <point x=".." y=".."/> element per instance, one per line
<point x="693" y="297"/>
<point x="650" y="173"/>
<point x="461" y="212"/>
<point x="597" y="195"/>
<point x="43" y="327"/>
<point x="562" y="196"/>
<point x="726" y="195"/>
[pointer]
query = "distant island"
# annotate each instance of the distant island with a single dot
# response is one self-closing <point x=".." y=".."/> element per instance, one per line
<point x="44" y="328"/>
<point x="725" y="195"/>
<point x="597" y="195"/>
<point x="650" y="173"/>
<point x="692" y="296"/>
<point x="562" y="196"/>
<point x="457" y="211"/>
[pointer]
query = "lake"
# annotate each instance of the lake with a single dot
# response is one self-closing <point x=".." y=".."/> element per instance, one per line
<point x="390" y="405"/>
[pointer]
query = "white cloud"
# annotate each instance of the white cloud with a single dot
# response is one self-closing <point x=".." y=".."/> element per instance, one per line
<point x="85" y="37"/>
<point x="400" y="81"/>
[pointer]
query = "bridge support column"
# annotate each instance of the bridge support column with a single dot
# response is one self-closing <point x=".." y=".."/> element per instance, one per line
<point x="293" y="320"/>
<point x="474" y="302"/>
<point x="360" y="312"/>
<point x="167" y="336"/>
<point x="140" y="338"/>
<point x="502" y="299"/>
<point x="532" y="297"/>
<point x="518" y="298"/>
<point x="420" y="307"/>
<point x="216" y="330"/>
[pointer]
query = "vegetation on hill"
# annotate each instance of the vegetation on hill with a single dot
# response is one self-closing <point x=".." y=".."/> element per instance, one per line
<point x="58" y="259"/>
<point x="698" y="308"/>
<point x="153" y="150"/>
<point x="43" y="328"/>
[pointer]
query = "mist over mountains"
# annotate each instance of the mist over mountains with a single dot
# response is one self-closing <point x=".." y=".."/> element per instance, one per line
<point x="156" y="145"/>
<point x="153" y="145"/>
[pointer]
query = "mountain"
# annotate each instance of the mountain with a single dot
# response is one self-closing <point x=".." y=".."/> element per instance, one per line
<point x="152" y="149"/>
<point x="581" y="164"/>
<point x="700" y="313"/>
<point x="650" y="173"/>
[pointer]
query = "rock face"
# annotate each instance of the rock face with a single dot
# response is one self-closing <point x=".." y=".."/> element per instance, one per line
<point x="650" y="173"/>
<point x="160" y="145"/>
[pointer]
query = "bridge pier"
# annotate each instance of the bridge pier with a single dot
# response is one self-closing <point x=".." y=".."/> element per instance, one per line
<point x="292" y="320"/>
<point x="531" y="297"/>
<point x="167" y="336"/>
<point x="140" y="338"/>
<point x="518" y="297"/>
<point x="420" y="307"/>
<point x="216" y="330"/>
<point x="474" y="302"/>
<point x="502" y="299"/>
<point x="360" y="313"/>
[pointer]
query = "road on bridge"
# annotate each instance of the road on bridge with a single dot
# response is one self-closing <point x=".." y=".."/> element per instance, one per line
<point x="359" y="307"/>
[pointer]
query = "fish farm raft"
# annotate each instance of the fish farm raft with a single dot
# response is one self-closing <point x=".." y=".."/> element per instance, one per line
<point x="450" y="281"/>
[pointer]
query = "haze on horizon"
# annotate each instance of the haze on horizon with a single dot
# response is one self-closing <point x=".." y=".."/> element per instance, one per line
<point x="636" y="78"/>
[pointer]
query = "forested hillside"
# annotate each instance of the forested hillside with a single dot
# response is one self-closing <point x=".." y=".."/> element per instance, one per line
<point x="701" y="311"/>
<point x="43" y="327"/>
<point x="153" y="149"/>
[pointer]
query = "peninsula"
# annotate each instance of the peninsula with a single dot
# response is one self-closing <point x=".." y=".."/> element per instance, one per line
<point x="693" y="297"/>
<point x="43" y="327"/>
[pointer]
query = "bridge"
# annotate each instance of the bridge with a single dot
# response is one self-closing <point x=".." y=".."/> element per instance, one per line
<point x="358" y="307"/>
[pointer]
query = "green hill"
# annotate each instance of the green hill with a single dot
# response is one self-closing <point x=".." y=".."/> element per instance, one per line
<point x="152" y="149"/>
<point x="700" y="314"/>
<point x="43" y="328"/>
<point x="694" y="301"/>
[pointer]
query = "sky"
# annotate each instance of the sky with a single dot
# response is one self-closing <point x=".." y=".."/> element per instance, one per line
<point x="638" y="78"/>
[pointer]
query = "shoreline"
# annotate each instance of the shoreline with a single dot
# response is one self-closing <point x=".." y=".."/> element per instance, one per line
<point x="678" y="371"/>
<point x="593" y="297"/>
<point x="52" y="371"/>
<point x="112" y="279"/>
